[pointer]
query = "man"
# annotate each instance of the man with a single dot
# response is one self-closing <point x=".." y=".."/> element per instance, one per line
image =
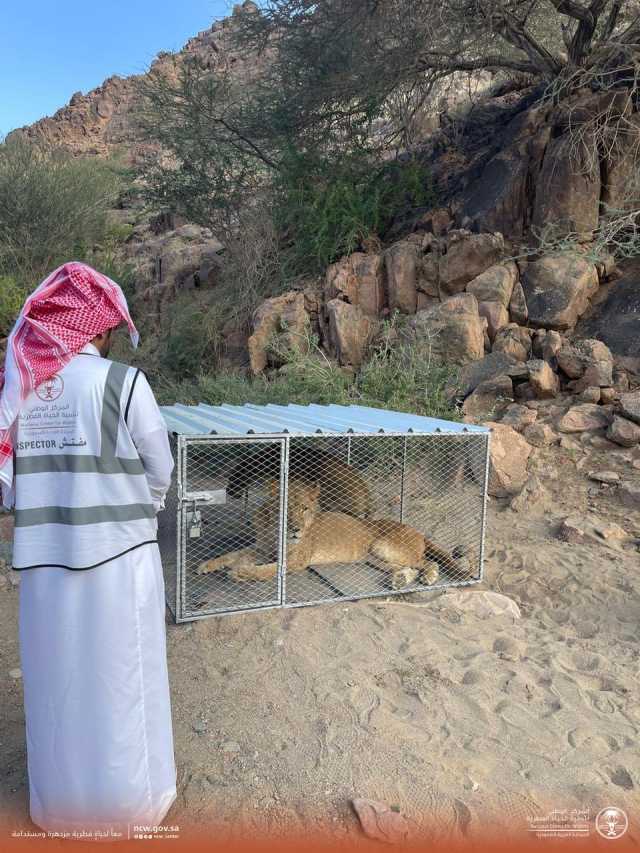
<point x="92" y="466"/>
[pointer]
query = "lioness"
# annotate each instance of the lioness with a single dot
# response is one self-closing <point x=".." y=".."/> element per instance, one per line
<point x="319" y="538"/>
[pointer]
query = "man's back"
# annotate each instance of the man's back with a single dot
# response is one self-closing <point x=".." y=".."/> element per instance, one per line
<point x="81" y="494"/>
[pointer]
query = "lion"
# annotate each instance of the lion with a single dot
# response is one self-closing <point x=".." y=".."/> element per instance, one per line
<point x="316" y="538"/>
<point x="343" y="489"/>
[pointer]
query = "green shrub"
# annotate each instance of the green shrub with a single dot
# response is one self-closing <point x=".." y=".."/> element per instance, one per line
<point x="53" y="208"/>
<point x="12" y="297"/>
<point x="328" y="209"/>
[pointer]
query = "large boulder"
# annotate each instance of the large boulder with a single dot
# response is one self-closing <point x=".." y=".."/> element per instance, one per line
<point x="584" y="418"/>
<point x="518" y="311"/>
<point x="358" y="279"/>
<point x="467" y="256"/>
<point x="567" y="194"/>
<point x="630" y="405"/>
<point x="488" y="396"/>
<point x="496" y="316"/>
<point x="542" y="379"/>
<point x="350" y="331"/>
<point x="509" y="454"/>
<point x="495" y="284"/>
<point x="492" y="365"/>
<point x="282" y="318"/>
<point x="499" y="199"/>
<point x="402" y="261"/>
<point x="616" y="320"/>
<point x="513" y="340"/>
<point x="558" y="288"/>
<point x="589" y="359"/>
<point x="452" y="330"/>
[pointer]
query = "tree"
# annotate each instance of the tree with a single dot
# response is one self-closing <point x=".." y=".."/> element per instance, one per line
<point x="52" y="208"/>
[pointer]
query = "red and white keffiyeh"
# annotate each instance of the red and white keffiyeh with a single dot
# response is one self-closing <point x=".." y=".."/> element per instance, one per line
<point x="66" y="311"/>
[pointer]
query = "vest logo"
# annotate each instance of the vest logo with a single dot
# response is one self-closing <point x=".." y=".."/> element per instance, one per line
<point x="51" y="388"/>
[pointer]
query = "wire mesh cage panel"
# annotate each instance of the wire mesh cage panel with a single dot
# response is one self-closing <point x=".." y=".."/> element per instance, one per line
<point x="288" y="520"/>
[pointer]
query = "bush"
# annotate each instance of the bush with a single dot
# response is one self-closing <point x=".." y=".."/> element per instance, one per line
<point x="52" y="208"/>
<point x="326" y="210"/>
<point x="12" y="297"/>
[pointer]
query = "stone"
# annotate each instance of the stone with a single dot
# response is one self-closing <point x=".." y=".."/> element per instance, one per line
<point x="451" y="331"/>
<point x="540" y="435"/>
<point x="599" y="374"/>
<point x="482" y="604"/>
<point x="567" y="195"/>
<point x="590" y="395"/>
<point x="630" y="406"/>
<point x="495" y="284"/>
<point x="488" y="395"/>
<point x="513" y="340"/>
<point x="550" y="345"/>
<point x="509" y="454"/>
<point x="608" y="395"/>
<point x="623" y="432"/>
<point x="496" y="316"/>
<point x="571" y="444"/>
<point x="620" y="380"/>
<point x="518" y="310"/>
<point x="607" y="477"/>
<point x="380" y="822"/>
<point x="283" y="318"/>
<point x="532" y="493"/>
<point x="467" y="256"/>
<point x="525" y="392"/>
<point x="401" y="263"/>
<point x="350" y="332"/>
<point x="499" y="199"/>
<point x="591" y="530"/>
<point x="584" y="417"/>
<point x="15" y="673"/>
<point x="616" y="320"/>
<point x="542" y="379"/>
<point x="519" y="417"/>
<point x="574" y="359"/>
<point x="358" y="279"/>
<point x="629" y="494"/>
<point x="558" y="288"/>
<point x="492" y="365"/>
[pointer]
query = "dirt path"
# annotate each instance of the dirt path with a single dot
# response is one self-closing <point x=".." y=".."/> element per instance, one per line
<point x="462" y="722"/>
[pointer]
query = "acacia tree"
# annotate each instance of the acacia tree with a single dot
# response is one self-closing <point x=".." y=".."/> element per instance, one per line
<point x="328" y="73"/>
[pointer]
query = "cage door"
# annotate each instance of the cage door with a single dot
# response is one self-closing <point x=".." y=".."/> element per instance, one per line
<point x="231" y="525"/>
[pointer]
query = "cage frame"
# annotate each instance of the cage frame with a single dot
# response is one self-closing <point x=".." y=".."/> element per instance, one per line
<point x="183" y="440"/>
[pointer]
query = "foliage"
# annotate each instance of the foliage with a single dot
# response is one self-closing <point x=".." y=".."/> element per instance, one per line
<point x="327" y="210"/>
<point x="397" y="377"/>
<point x="12" y="296"/>
<point x="52" y="208"/>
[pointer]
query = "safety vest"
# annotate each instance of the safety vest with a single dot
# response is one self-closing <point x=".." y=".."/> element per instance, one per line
<point x="81" y="494"/>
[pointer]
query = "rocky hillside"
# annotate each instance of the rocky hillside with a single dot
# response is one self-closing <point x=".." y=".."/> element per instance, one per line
<point x="102" y="122"/>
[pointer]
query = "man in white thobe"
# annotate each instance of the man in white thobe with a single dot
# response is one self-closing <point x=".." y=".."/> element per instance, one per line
<point x="92" y="466"/>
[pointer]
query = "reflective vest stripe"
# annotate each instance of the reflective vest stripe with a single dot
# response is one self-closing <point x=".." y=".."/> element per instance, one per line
<point x="111" y="409"/>
<point x="80" y="464"/>
<point x="82" y="515"/>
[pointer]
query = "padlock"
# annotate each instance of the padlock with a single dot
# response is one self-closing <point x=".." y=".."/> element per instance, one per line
<point x="195" y="524"/>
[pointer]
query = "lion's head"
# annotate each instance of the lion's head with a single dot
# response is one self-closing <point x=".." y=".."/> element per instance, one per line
<point x="303" y="505"/>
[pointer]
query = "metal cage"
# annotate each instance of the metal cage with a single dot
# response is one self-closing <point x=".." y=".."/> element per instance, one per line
<point x="284" y="506"/>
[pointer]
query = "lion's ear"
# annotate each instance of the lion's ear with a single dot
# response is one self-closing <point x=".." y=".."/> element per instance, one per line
<point x="317" y="490"/>
<point x="274" y="488"/>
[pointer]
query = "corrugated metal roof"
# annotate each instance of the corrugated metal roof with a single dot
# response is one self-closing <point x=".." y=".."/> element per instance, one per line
<point x="314" y="419"/>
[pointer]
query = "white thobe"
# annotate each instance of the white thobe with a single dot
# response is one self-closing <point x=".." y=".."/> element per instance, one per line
<point x="96" y="689"/>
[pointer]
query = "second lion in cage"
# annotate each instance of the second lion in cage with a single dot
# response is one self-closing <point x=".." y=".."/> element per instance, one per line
<point x="316" y="537"/>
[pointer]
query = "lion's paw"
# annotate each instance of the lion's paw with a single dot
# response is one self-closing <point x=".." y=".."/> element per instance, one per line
<point x="430" y="573"/>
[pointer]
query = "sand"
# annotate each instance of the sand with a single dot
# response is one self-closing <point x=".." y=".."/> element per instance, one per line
<point x="464" y="722"/>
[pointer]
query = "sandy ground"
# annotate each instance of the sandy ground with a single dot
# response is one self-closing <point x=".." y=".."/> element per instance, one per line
<point x="462" y="723"/>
